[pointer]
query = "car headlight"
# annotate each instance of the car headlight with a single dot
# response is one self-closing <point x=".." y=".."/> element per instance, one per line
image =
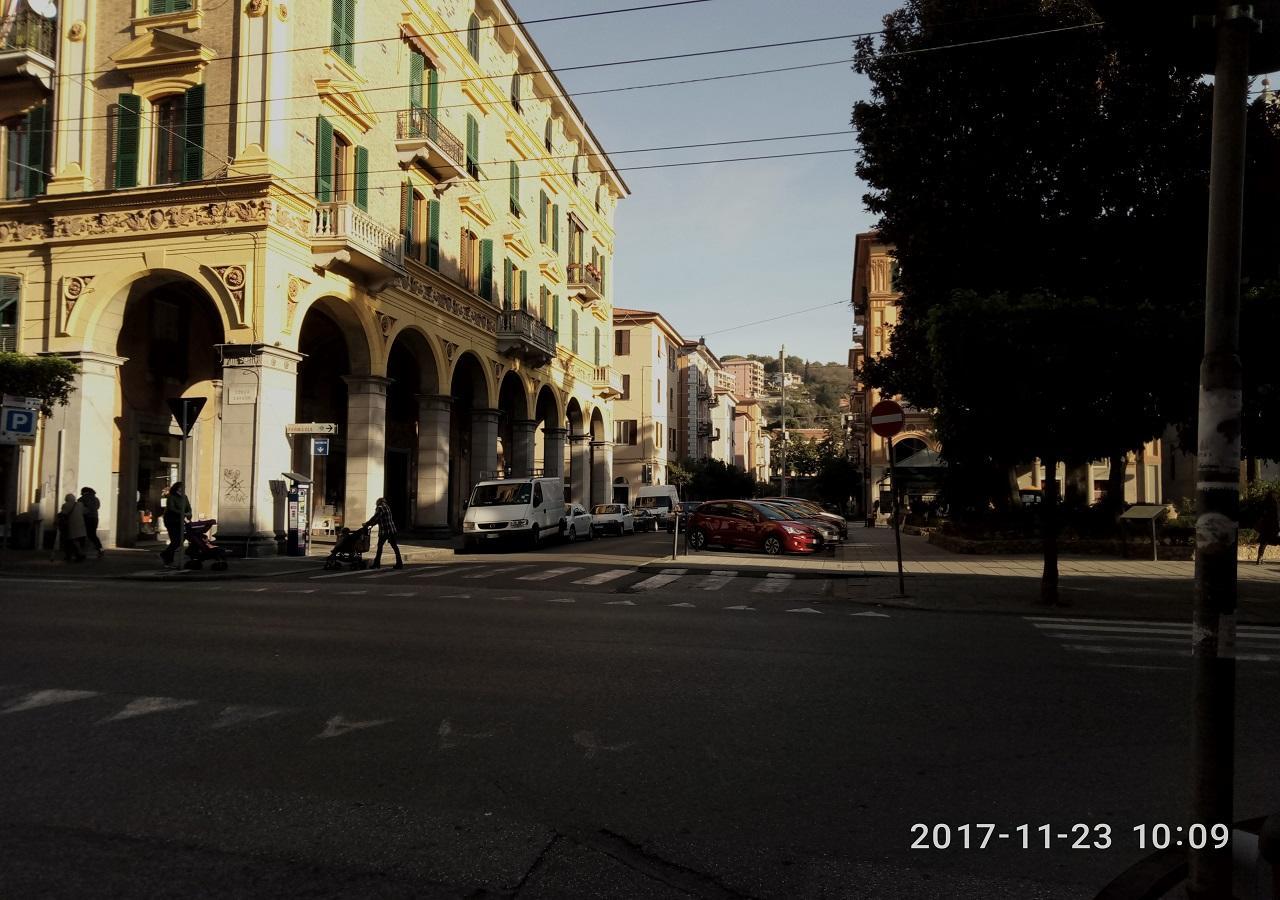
<point x="792" y="529"/>
<point x="520" y="523"/>
<point x="468" y="526"/>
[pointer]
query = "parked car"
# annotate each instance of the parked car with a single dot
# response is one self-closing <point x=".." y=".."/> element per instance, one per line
<point x="829" y="533"/>
<point x="660" y="501"/>
<point x="577" y="523"/>
<point x="644" y="518"/>
<point x="612" y="518"/>
<point x="528" y="510"/>
<point x="748" y="525"/>
<point x="811" y="510"/>
<point x="684" y="509"/>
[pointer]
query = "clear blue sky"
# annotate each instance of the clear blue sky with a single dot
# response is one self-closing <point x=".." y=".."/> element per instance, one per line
<point x="713" y="247"/>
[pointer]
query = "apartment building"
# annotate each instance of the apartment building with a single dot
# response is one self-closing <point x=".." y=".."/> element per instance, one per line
<point x="703" y="388"/>
<point x="385" y="218"/>
<point x="646" y="415"/>
<point x="748" y="377"/>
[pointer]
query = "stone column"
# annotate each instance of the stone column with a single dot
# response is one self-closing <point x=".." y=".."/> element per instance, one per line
<point x="484" y="445"/>
<point x="522" y="447"/>
<point x="259" y="397"/>
<point x="73" y="99"/>
<point x="366" y="445"/>
<point x="580" y="468"/>
<point x="81" y="445"/>
<point x="264" y="78"/>
<point x="433" y="464"/>
<point x="601" y="472"/>
<point x="553" y="452"/>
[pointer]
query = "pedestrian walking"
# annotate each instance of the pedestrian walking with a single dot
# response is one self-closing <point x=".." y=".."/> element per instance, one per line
<point x="1268" y="524"/>
<point x="177" y="512"/>
<point x="92" y="506"/>
<point x="386" y="532"/>
<point x="71" y="529"/>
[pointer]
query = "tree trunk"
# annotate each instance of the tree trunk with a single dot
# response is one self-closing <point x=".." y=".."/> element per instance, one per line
<point x="1049" y="534"/>
<point x="1252" y="470"/>
<point x="1119" y="463"/>
<point x="1015" y="498"/>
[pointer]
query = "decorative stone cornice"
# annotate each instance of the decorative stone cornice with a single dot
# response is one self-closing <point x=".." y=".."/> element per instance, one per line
<point x="485" y="320"/>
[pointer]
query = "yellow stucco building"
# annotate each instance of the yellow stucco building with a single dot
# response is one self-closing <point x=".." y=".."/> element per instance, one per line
<point x="388" y="217"/>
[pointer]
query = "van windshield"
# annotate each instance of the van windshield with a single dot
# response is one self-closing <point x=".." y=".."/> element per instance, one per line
<point x="660" y="502"/>
<point x="515" y="494"/>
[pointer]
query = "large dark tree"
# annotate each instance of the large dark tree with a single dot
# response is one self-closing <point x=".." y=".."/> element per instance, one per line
<point x="1057" y="181"/>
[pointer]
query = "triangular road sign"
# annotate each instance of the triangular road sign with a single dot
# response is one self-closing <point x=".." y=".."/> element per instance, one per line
<point x="185" y="411"/>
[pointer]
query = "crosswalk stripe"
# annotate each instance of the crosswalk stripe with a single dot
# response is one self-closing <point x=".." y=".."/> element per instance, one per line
<point x="386" y="574"/>
<point x="434" y="574"/>
<point x="771" y="586"/>
<point x="716" y="581"/>
<point x="653" y="582"/>
<point x="742" y="608"/>
<point x="1162" y="651"/>
<point x="548" y="574"/>
<point x="1259" y="629"/>
<point x="603" y="577"/>
<point x="500" y="570"/>
<point x="806" y="609"/>
<point x="675" y="571"/>
<point x="684" y="605"/>
<point x="1180" y="630"/>
<point x="345" y="574"/>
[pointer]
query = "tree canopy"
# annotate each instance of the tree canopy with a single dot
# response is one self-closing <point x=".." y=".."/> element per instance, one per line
<point x="50" y="378"/>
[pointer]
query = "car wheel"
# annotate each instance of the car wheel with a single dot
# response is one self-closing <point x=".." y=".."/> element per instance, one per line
<point x="534" y="537"/>
<point x="572" y="537"/>
<point x="773" y="545"/>
<point x="698" y="539"/>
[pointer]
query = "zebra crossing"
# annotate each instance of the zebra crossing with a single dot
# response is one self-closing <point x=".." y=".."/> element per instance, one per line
<point x="1114" y="640"/>
<point x="630" y="580"/>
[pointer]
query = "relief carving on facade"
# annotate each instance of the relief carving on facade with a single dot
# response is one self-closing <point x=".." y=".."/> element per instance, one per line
<point x="296" y="287"/>
<point x="455" y="307"/>
<point x="385" y="325"/>
<point x="450" y="348"/>
<point x="880" y="275"/>
<point x="73" y="288"/>
<point x="233" y="278"/>
<point x="255" y="8"/>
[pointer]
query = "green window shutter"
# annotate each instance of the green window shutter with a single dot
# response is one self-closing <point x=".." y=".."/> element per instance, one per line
<point x="159" y="7"/>
<point x="602" y="261"/>
<point x="473" y="37"/>
<point x="596" y="350"/>
<point x="362" y="179"/>
<point x="37" y="146"/>
<point x="336" y="25"/>
<point x="473" y="147"/>
<point x="573" y="325"/>
<point x="515" y="187"/>
<point x="433" y="103"/>
<point x="524" y="289"/>
<point x="417" y="65"/>
<point x="406" y="216"/>
<point x="193" y="135"/>
<point x="433" y="234"/>
<point x="542" y="216"/>
<point x="486" y="269"/>
<point x="128" y="130"/>
<point x="324" y="160"/>
<point x="555" y="316"/>
<point x="349" y="21"/>
<point x="555" y="227"/>
<point x="508" y="283"/>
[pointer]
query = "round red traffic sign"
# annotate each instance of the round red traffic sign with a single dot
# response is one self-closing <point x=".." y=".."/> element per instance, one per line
<point x="887" y="418"/>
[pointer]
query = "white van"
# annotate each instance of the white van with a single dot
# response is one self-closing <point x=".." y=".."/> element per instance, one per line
<point x="660" y="502"/>
<point x="529" y="510"/>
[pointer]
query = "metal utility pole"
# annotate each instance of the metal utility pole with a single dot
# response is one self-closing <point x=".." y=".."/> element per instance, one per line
<point x="782" y="382"/>
<point x="1218" y="474"/>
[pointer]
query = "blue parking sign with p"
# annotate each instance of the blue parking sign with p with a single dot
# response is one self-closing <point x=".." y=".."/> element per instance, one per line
<point x="20" y="422"/>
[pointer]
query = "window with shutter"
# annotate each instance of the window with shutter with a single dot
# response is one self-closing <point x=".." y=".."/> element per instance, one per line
<point x="343" y="30"/>
<point x="544" y="301"/>
<point x="128" y="135"/>
<point x="596" y="350"/>
<point x="515" y="91"/>
<point x="508" y="283"/>
<point x="473" y="37"/>
<point x="543" y="202"/>
<point x="433" y="104"/>
<point x="626" y="388"/>
<point x="515" y="188"/>
<point x="362" y="179"/>
<point x="417" y="67"/>
<point x="573" y="325"/>
<point x="160" y="7"/>
<point x="193" y="135"/>
<point x="547" y="136"/>
<point x="406" y="217"/>
<point x="555" y="227"/>
<point x="486" y="269"/>
<point x="37" y="148"/>
<point x="555" y="316"/>
<point x="324" y="160"/>
<point x="622" y="342"/>
<point x="433" y="234"/>
<point x="473" y="147"/>
<point x="524" y="289"/>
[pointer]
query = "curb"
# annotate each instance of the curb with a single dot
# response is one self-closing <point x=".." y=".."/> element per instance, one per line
<point x="755" y="571"/>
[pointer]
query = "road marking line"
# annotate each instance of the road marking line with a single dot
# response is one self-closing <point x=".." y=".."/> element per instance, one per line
<point x="1134" y="666"/>
<point x="548" y="574"/>
<point x="675" y="571"/>
<point x="1259" y="629"/>
<point x="620" y="603"/>
<point x="498" y="570"/>
<point x="742" y="608"/>
<point x="338" y="726"/>
<point x="352" y="593"/>
<point x="716" y="581"/>
<point x="37" y="699"/>
<point x="653" y="582"/>
<point x="684" y="605"/>
<point x="435" y="574"/>
<point x="346" y="574"/>
<point x="239" y="714"/>
<point x="404" y="594"/>
<point x="779" y="575"/>
<point x="145" y="706"/>
<point x="301" y="591"/>
<point x="770" y="586"/>
<point x="456" y="597"/>
<point x="806" y="609"/>
<point x="1184" y="630"/>
<point x="871" y="615"/>
<point x="602" y="577"/>
<point x="562" y="600"/>
<point x="386" y="574"/>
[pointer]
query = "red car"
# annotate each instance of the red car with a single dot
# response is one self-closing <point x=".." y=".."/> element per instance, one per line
<point x="741" y="524"/>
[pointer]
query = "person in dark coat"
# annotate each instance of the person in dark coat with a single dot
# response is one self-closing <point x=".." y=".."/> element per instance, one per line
<point x="1268" y="524"/>
<point x="92" y="505"/>
<point x="71" y="529"/>
<point x="386" y="532"/>
<point x="177" y="512"/>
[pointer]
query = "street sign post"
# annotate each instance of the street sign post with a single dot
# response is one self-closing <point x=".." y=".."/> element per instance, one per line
<point x="319" y="446"/>
<point x="186" y="410"/>
<point x="296" y="428"/>
<point x="18" y="425"/>
<point x="887" y="419"/>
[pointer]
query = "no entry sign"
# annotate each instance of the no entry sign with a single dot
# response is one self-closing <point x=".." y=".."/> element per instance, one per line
<point x="887" y="418"/>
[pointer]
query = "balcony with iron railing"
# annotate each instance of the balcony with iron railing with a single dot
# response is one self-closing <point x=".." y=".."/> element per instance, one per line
<point x="346" y="237"/>
<point x="607" y="383"/>
<point x="585" y="282"/>
<point x="526" y="336"/>
<point x="27" y="51"/>
<point x="421" y="139"/>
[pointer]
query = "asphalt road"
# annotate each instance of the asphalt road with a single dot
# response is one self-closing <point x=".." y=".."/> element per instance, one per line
<point x="425" y="732"/>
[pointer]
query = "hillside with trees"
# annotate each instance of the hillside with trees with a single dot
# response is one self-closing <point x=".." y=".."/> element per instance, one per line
<point x="816" y="403"/>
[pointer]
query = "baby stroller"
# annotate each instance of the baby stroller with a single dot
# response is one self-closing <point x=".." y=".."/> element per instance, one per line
<point x="200" y="546"/>
<point x="349" y="549"/>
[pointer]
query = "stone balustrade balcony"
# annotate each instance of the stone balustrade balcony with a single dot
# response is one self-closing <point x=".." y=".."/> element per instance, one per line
<point x="607" y="383"/>
<point x="344" y="236"/>
<point x="526" y="336"/>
